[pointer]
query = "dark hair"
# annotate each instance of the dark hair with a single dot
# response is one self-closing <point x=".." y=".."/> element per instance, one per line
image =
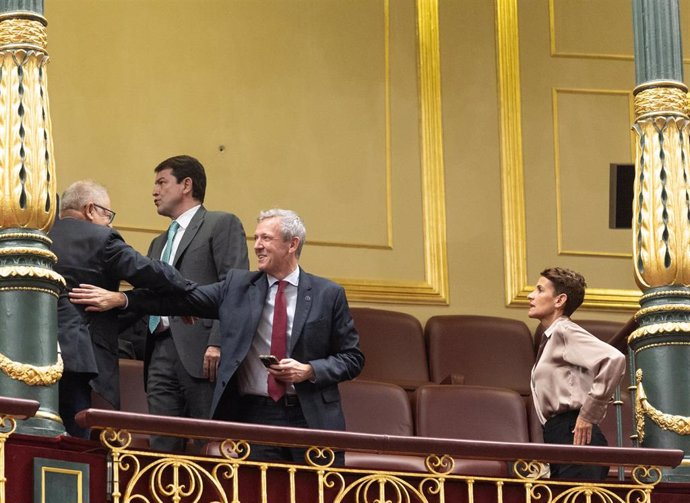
<point x="185" y="166"/>
<point x="569" y="282"/>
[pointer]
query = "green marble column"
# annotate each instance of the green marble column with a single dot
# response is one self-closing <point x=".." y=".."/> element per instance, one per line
<point x="661" y="233"/>
<point x="29" y="363"/>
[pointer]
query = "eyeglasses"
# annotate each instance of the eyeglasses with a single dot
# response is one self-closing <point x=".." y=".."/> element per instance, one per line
<point x="109" y="213"/>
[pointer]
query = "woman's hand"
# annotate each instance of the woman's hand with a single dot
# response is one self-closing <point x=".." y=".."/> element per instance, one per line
<point x="97" y="299"/>
<point x="582" y="434"/>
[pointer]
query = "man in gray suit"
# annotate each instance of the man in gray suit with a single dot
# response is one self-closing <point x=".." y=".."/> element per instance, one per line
<point x="301" y="319"/>
<point x="181" y="359"/>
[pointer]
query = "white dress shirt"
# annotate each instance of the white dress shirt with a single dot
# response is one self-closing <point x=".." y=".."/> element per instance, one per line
<point x="183" y="222"/>
<point x="252" y="375"/>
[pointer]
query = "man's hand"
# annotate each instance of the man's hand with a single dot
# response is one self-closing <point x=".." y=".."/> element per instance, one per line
<point x="211" y="362"/>
<point x="291" y="371"/>
<point x="97" y="299"/>
<point x="582" y="432"/>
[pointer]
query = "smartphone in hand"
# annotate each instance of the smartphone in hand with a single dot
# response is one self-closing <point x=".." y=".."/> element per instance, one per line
<point x="268" y="360"/>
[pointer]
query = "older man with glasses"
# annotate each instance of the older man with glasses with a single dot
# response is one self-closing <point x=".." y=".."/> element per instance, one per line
<point x="90" y="251"/>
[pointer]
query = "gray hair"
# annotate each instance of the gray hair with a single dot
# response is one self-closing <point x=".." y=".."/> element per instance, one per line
<point x="81" y="193"/>
<point x="291" y="225"/>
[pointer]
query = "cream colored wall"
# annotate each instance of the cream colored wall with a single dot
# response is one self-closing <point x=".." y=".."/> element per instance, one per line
<point x="315" y="105"/>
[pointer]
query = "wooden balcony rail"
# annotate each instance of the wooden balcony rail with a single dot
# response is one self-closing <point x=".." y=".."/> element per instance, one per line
<point x="384" y="444"/>
<point x="18" y="408"/>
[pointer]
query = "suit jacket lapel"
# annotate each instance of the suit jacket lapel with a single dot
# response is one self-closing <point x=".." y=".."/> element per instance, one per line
<point x="257" y="299"/>
<point x="304" y="298"/>
<point x="157" y="247"/>
<point x="189" y="233"/>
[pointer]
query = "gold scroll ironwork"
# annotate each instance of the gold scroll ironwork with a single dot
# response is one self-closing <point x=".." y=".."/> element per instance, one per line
<point x="670" y="422"/>
<point x="149" y="477"/>
<point x="7" y="426"/>
<point x="27" y="169"/>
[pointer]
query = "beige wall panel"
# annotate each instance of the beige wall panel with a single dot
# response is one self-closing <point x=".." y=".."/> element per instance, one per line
<point x="297" y="96"/>
<point x="596" y="28"/>
<point x="575" y="121"/>
<point x="590" y="135"/>
<point x="287" y="103"/>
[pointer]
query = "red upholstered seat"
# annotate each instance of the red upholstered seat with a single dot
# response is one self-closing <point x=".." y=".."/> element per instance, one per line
<point x="378" y="408"/>
<point x="393" y="344"/>
<point x="480" y="350"/>
<point x="472" y="413"/>
<point x="132" y="395"/>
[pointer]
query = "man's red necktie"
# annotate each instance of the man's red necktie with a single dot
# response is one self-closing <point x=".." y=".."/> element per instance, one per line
<point x="276" y="389"/>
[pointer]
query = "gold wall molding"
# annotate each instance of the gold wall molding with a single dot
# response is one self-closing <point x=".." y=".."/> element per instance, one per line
<point x="557" y="164"/>
<point x="32" y="375"/>
<point x="669" y="422"/>
<point x="512" y="173"/>
<point x="433" y="288"/>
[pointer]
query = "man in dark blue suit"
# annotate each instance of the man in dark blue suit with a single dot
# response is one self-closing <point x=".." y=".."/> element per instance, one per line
<point x="90" y="251"/>
<point x="321" y="347"/>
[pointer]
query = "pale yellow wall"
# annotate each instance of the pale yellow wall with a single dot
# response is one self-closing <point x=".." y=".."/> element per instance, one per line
<point x="315" y="105"/>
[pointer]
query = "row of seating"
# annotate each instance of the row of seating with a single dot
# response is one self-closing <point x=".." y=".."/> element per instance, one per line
<point x="456" y="349"/>
<point x="449" y="411"/>
<point x="398" y="391"/>
<point x="441" y="411"/>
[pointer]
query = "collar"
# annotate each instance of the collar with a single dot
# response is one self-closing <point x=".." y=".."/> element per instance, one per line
<point x="186" y="217"/>
<point x="292" y="278"/>
<point x="550" y="330"/>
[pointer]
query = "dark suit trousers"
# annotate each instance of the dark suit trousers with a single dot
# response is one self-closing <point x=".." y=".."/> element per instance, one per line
<point x="559" y="430"/>
<point x="171" y="391"/>
<point x="75" y="395"/>
<point x="284" y="412"/>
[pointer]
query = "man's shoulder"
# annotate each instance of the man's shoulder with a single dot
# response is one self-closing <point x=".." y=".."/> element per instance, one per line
<point x="214" y="215"/>
<point x="319" y="282"/>
<point x="75" y="227"/>
<point x="237" y="277"/>
<point x="217" y="221"/>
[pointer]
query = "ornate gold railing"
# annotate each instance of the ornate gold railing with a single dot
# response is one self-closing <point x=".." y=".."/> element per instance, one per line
<point x="11" y="409"/>
<point x="146" y="477"/>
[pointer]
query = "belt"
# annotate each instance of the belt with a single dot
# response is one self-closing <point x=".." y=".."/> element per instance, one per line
<point x="284" y="401"/>
<point x="562" y="416"/>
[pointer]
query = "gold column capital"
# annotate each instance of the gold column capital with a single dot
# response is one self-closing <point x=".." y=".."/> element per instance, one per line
<point x="23" y="30"/>
<point x="662" y="97"/>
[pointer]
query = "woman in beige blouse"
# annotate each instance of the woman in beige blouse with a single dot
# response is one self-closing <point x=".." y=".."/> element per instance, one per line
<point x="575" y="374"/>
